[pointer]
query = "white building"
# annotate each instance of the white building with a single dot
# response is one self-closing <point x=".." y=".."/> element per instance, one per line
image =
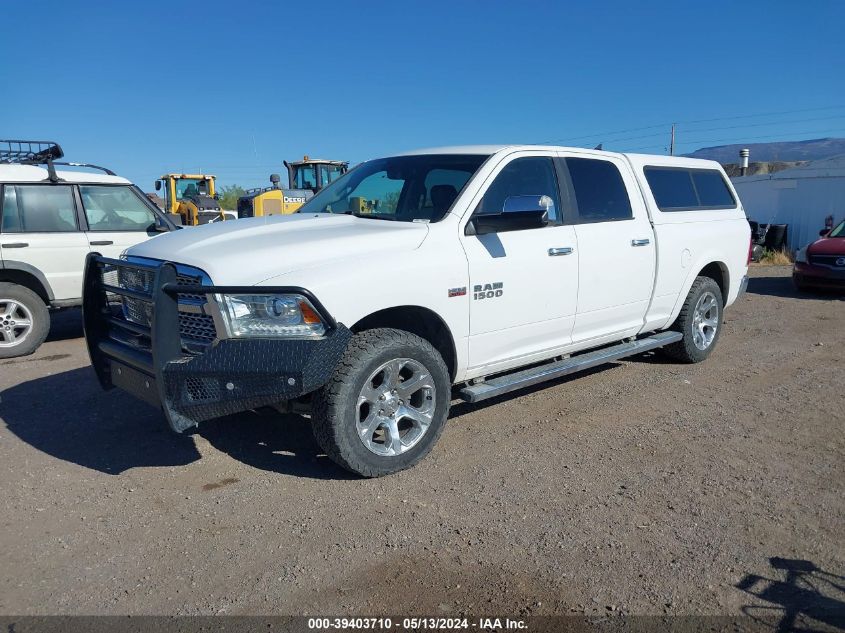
<point x="801" y="197"/>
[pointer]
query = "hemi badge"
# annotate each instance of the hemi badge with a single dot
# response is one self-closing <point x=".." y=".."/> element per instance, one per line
<point x="457" y="292"/>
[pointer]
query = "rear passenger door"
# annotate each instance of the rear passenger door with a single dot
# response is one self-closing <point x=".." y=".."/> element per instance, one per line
<point x="616" y="247"/>
<point x="116" y="217"/>
<point x="40" y="231"/>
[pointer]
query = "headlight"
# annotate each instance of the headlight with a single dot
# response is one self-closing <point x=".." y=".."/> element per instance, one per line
<point x="269" y="316"/>
<point x="801" y="255"/>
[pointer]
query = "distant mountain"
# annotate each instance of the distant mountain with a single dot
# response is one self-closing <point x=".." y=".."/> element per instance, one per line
<point x="785" y="151"/>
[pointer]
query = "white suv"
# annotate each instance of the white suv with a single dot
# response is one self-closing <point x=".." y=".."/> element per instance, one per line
<point x="49" y="221"/>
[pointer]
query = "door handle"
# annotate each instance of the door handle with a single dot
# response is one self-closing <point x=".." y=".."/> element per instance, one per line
<point x="642" y="242"/>
<point x="102" y="243"/>
<point x="15" y="245"/>
<point x="564" y="250"/>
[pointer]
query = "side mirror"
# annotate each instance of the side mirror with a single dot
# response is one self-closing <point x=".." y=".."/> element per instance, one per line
<point x="158" y="185"/>
<point x="519" y="213"/>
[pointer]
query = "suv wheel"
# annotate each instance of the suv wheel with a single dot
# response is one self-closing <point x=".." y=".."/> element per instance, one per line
<point x="24" y="321"/>
<point x="385" y="405"/>
<point x="700" y="321"/>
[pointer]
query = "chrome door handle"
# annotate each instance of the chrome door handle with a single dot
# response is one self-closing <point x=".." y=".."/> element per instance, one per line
<point x="15" y="245"/>
<point x="564" y="250"/>
<point x="102" y="243"/>
<point x="642" y="242"/>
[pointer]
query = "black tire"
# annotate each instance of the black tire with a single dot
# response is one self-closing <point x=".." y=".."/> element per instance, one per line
<point x="336" y="411"/>
<point x="686" y="349"/>
<point x="40" y="318"/>
<point x="800" y="286"/>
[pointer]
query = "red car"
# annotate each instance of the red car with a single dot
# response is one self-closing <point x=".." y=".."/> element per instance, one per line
<point x="822" y="263"/>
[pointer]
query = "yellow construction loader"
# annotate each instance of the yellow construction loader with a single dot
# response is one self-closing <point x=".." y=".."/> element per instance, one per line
<point x="192" y="197"/>
<point x="305" y="178"/>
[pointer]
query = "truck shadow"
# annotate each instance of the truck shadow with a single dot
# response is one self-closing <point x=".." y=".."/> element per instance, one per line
<point x="68" y="416"/>
<point x="66" y="324"/>
<point x="803" y="596"/>
<point x="271" y="441"/>
<point x="783" y="287"/>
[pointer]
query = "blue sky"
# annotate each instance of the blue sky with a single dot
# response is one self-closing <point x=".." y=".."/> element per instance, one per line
<point x="233" y="88"/>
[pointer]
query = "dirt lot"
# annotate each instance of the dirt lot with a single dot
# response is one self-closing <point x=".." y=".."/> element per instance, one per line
<point x="643" y="487"/>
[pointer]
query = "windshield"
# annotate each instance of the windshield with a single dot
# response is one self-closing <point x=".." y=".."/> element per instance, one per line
<point x="305" y="177"/>
<point x="404" y="188"/>
<point x="189" y="187"/>
<point x="838" y="231"/>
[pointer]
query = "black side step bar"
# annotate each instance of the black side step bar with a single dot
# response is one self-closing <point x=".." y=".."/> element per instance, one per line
<point x="528" y="377"/>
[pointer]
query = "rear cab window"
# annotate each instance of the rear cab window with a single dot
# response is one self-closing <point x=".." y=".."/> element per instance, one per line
<point x="688" y="189"/>
<point x="600" y="192"/>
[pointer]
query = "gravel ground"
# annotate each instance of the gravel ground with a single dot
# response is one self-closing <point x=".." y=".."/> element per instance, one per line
<point x="644" y="487"/>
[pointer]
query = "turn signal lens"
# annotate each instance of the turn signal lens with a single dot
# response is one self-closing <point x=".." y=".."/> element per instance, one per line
<point x="309" y="316"/>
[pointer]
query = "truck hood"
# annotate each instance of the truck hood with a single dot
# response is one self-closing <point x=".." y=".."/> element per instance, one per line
<point x="248" y="251"/>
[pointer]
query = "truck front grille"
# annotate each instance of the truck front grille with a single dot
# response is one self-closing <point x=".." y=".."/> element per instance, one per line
<point x="827" y="260"/>
<point x="196" y="328"/>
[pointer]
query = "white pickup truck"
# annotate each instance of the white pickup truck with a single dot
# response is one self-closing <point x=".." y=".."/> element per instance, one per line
<point x="463" y="272"/>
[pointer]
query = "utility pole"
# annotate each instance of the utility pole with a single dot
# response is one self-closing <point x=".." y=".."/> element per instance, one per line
<point x="672" y="142"/>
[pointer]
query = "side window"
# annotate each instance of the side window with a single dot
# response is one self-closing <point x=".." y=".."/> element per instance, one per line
<point x="672" y="188"/>
<point x="533" y="176"/>
<point x="711" y="188"/>
<point x="679" y="189"/>
<point x="11" y="221"/>
<point x="38" y="209"/>
<point x="600" y="192"/>
<point x="115" y="209"/>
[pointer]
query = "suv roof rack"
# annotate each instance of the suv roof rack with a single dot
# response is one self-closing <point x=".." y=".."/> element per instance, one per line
<point x="39" y="153"/>
<point x="89" y="165"/>
<point x="31" y="153"/>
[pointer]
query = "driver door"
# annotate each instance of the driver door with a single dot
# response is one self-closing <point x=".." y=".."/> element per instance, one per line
<point x="523" y="283"/>
<point x="116" y="218"/>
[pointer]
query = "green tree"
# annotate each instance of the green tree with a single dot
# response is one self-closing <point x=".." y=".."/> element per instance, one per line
<point x="229" y="197"/>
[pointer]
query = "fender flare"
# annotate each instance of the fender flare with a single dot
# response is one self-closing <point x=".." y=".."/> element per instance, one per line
<point x="11" y="264"/>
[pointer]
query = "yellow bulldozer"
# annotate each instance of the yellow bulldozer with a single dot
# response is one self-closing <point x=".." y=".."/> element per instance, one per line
<point x="305" y="178"/>
<point x="192" y="197"/>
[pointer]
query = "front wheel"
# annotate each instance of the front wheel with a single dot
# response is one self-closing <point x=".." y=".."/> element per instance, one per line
<point x="700" y="322"/>
<point x="24" y="321"/>
<point x="385" y="405"/>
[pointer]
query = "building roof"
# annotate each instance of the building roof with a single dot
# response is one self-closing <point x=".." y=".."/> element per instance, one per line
<point x="833" y="167"/>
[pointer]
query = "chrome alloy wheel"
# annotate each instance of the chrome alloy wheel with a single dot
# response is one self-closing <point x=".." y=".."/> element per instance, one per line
<point x="15" y="322"/>
<point x="395" y="407"/>
<point x="705" y="320"/>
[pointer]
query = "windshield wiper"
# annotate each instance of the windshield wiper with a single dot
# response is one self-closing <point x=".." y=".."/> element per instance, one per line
<point x="370" y="216"/>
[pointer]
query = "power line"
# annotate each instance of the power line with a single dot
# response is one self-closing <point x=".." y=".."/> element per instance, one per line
<point x="747" y="116"/>
<point x="740" y="140"/>
<point x="666" y="125"/>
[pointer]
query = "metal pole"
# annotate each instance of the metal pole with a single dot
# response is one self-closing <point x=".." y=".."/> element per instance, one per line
<point x="672" y="142"/>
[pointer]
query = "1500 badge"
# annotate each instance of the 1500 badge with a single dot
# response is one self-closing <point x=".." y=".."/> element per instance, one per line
<point x="488" y="291"/>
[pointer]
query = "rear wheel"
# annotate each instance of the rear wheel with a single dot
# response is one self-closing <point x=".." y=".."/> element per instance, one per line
<point x="700" y="322"/>
<point x="24" y="321"/>
<point x="385" y="405"/>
